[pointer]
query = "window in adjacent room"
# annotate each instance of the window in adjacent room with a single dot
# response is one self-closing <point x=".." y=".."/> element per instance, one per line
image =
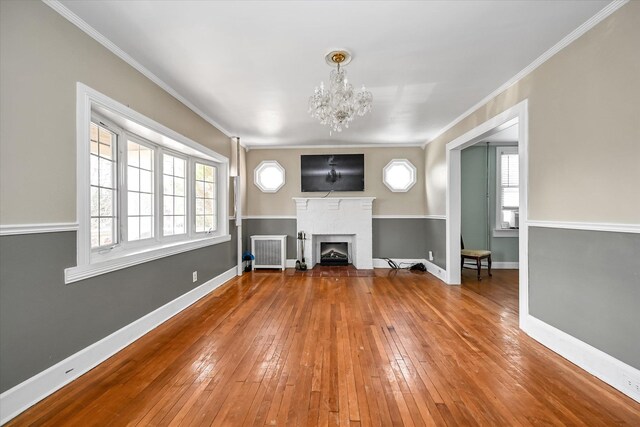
<point x="508" y="193"/>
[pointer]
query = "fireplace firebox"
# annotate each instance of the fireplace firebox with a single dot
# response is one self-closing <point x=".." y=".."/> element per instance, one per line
<point x="334" y="253"/>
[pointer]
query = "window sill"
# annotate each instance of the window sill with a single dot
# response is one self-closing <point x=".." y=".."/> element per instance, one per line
<point x="82" y="272"/>
<point x="512" y="232"/>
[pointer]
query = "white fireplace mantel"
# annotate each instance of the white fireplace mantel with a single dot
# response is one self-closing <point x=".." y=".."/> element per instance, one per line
<point x="337" y="219"/>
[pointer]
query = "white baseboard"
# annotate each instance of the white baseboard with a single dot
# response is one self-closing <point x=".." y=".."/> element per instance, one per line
<point x="496" y="265"/>
<point x="290" y="263"/>
<point x="505" y="265"/>
<point x="598" y="363"/>
<point x="431" y="267"/>
<point x="402" y="262"/>
<point x="24" y="395"/>
<point x="439" y="272"/>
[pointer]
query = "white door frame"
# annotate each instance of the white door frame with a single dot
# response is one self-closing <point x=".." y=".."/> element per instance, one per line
<point x="519" y="113"/>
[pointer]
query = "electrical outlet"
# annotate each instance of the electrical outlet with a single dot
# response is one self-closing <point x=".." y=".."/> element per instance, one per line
<point x="195" y="276"/>
<point x="430" y="255"/>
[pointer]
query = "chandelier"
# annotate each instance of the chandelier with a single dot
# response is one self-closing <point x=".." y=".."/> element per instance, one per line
<point x="338" y="105"/>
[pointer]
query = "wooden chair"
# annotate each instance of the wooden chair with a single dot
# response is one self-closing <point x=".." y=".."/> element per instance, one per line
<point x="474" y="254"/>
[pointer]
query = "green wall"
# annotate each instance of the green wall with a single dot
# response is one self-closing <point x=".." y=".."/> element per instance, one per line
<point x="474" y="204"/>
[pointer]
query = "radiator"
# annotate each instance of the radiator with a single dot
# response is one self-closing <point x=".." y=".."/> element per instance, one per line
<point x="269" y="251"/>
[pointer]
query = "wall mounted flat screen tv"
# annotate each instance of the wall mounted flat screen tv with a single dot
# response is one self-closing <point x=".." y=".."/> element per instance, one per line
<point x="332" y="172"/>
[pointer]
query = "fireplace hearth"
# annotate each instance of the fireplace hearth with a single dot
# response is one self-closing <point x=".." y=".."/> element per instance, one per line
<point x="334" y="253"/>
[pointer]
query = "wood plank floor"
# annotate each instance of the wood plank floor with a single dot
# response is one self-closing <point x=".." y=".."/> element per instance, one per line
<point x="395" y="348"/>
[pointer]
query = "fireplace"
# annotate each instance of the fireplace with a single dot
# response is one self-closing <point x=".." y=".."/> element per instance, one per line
<point x="334" y="253"/>
<point x="336" y="219"/>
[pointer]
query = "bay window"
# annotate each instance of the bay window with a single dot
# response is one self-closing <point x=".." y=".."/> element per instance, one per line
<point x="144" y="191"/>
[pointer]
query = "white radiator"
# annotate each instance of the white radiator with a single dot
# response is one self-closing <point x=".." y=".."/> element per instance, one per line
<point x="269" y="251"/>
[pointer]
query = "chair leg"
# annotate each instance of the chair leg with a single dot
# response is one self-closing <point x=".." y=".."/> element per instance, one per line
<point x="461" y="263"/>
<point x="489" y="260"/>
<point x="478" y="264"/>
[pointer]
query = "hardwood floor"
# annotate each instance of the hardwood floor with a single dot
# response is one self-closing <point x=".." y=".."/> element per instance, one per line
<point x="394" y="348"/>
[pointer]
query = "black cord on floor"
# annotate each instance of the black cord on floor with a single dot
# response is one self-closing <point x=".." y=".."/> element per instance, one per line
<point x="411" y="266"/>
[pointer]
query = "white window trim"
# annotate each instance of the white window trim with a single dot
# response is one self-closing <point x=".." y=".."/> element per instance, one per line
<point x="124" y="199"/>
<point x="192" y="198"/>
<point x="187" y="191"/>
<point x="118" y="132"/>
<point x="263" y="165"/>
<point x="412" y="170"/>
<point x="498" y="231"/>
<point x="87" y="265"/>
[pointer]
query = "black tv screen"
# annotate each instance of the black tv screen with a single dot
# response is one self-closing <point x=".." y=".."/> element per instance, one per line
<point x="332" y="172"/>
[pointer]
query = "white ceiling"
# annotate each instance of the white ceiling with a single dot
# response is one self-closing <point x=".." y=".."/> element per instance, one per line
<point x="252" y="65"/>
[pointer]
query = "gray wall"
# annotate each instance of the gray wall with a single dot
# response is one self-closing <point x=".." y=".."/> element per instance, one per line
<point x="257" y="227"/>
<point x="392" y="237"/>
<point x="435" y="233"/>
<point x="399" y="238"/>
<point x="474" y="204"/>
<point x="43" y="321"/>
<point x="587" y="284"/>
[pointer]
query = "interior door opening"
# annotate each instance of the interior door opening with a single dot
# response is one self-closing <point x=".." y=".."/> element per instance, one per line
<point x="517" y="114"/>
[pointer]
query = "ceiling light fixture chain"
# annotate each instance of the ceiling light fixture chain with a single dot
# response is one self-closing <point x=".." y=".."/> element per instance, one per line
<point x="338" y="105"/>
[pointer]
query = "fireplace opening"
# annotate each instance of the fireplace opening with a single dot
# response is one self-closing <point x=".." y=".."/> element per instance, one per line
<point x="334" y="253"/>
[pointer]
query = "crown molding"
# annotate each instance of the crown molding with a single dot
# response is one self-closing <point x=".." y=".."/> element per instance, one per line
<point x="318" y="146"/>
<point x="566" y="41"/>
<point x="104" y="41"/>
<point x="93" y="33"/>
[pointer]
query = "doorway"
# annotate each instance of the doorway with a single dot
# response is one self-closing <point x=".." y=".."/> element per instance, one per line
<point x="517" y="114"/>
<point x="490" y="202"/>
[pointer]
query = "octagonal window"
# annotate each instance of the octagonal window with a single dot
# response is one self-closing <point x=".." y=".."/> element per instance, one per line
<point x="399" y="175"/>
<point x="269" y="176"/>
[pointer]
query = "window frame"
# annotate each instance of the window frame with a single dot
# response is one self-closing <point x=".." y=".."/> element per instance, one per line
<point x="124" y="202"/>
<point x="90" y="104"/>
<point x="413" y="171"/>
<point x="187" y="196"/>
<point x="116" y="173"/>
<point x="258" y="170"/>
<point x="498" y="230"/>
<point x="192" y="199"/>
